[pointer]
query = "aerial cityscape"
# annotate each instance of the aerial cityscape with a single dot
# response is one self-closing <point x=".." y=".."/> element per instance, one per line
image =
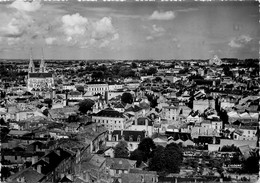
<point x="129" y="92"/>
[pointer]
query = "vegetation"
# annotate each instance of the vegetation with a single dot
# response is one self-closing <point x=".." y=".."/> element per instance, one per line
<point x="144" y="150"/>
<point x="228" y="148"/>
<point x="121" y="150"/>
<point x="86" y="105"/>
<point x="127" y="98"/>
<point x="166" y="159"/>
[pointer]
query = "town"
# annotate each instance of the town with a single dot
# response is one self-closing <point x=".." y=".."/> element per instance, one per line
<point x="129" y="121"/>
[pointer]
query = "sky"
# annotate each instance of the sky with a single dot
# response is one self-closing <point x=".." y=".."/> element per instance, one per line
<point x="124" y="30"/>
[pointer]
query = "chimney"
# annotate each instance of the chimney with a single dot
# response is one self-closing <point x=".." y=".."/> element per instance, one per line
<point x="214" y="140"/>
<point x="34" y="159"/>
<point x="58" y="152"/>
<point x="122" y="131"/>
<point x="39" y="168"/>
<point x="109" y="136"/>
<point x="94" y="127"/>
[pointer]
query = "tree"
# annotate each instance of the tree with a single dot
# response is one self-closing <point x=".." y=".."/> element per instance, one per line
<point x="231" y="148"/>
<point x="173" y="158"/>
<point x="45" y="112"/>
<point x="138" y="156"/>
<point x="121" y="150"/>
<point x="97" y="75"/>
<point x="5" y="173"/>
<point x="251" y="164"/>
<point x="134" y="65"/>
<point x="146" y="146"/>
<point x="86" y="105"/>
<point x="73" y="118"/>
<point x="151" y="71"/>
<point x="166" y="159"/>
<point x="127" y="98"/>
<point x="80" y="89"/>
<point x="158" y="79"/>
<point x="157" y="161"/>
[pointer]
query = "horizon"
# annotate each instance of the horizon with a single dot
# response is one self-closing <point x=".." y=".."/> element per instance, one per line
<point x="129" y="31"/>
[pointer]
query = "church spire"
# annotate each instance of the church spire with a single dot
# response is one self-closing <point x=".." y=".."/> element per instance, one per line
<point x="31" y="68"/>
<point x="42" y="65"/>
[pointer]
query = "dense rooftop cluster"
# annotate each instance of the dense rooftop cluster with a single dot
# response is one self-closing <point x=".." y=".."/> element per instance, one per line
<point x="130" y="121"/>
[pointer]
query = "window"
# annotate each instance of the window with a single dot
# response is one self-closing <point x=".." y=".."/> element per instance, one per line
<point x="138" y="138"/>
<point x="131" y="138"/>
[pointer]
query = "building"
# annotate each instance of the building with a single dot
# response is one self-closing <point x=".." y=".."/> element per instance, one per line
<point x="169" y="112"/>
<point x="112" y="119"/>
<point x="96" y="88"/>
<point x="41" y="80"/>
<point x="132" y="137"/>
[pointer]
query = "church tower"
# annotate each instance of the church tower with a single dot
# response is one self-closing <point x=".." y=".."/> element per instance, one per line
<point x="31" y="68"/>
<point x="42" y="65"/>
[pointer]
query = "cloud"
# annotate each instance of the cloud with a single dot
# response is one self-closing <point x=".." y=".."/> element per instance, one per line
<point x="157" y="30"/>
<point x="78" y="30"/>
<point x="16" y="24"/>
<point x="241" y="41"/>
<point x="50" y="40"/>
<point x="74" y="24"/>
<point x="26" y="6"/>
<point x="104" y="28"/>
<point x="149" y="38"/>
<point x="187" y="10"/>
<point x="154" y="32"/>
<point x="168" y="15"/>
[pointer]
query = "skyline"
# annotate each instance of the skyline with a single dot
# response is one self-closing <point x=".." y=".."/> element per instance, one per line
<point x="151" y="30"/>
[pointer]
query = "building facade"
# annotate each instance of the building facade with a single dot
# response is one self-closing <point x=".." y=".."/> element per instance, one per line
<point x="41" y="80"/>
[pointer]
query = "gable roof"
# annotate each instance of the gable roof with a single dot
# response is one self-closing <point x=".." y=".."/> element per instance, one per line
<point x="29" y="174"/>
<point x="134" y="108"/>
<point x="109" y="112"/>
<point x="120" y="163"/>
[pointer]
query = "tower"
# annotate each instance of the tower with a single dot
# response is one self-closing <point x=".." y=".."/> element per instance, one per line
<point x="31" y="68"/>
<point x="42" y="65"/>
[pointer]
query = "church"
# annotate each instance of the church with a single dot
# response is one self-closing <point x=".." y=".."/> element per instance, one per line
<point x="41" y="80"/>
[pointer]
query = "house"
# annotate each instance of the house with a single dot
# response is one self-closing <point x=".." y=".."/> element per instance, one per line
<point x="93" y="134"/>
<point x="169" y="112"/>
<point x="112" y="94"/>
<point x="132" y="137"/>
<point x="139" y="176"/>
<point x="202" y="104"/>
<point x="143" y="124"/>
<point x="112" y="119"/>
<point x="119" y="107"/>
<point x="118" y="166"/>
<point x="242" y="132"/>
<point x="28" y="175"/>
<point x="115" y="86"/>
<point x="94" y="169"/>
<point x="135" y="110"/>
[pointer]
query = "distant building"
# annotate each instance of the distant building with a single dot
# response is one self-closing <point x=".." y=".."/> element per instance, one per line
<point x="41" y="80"/>
<point x="97" y="88"/>
<point x="215" y="61"/>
